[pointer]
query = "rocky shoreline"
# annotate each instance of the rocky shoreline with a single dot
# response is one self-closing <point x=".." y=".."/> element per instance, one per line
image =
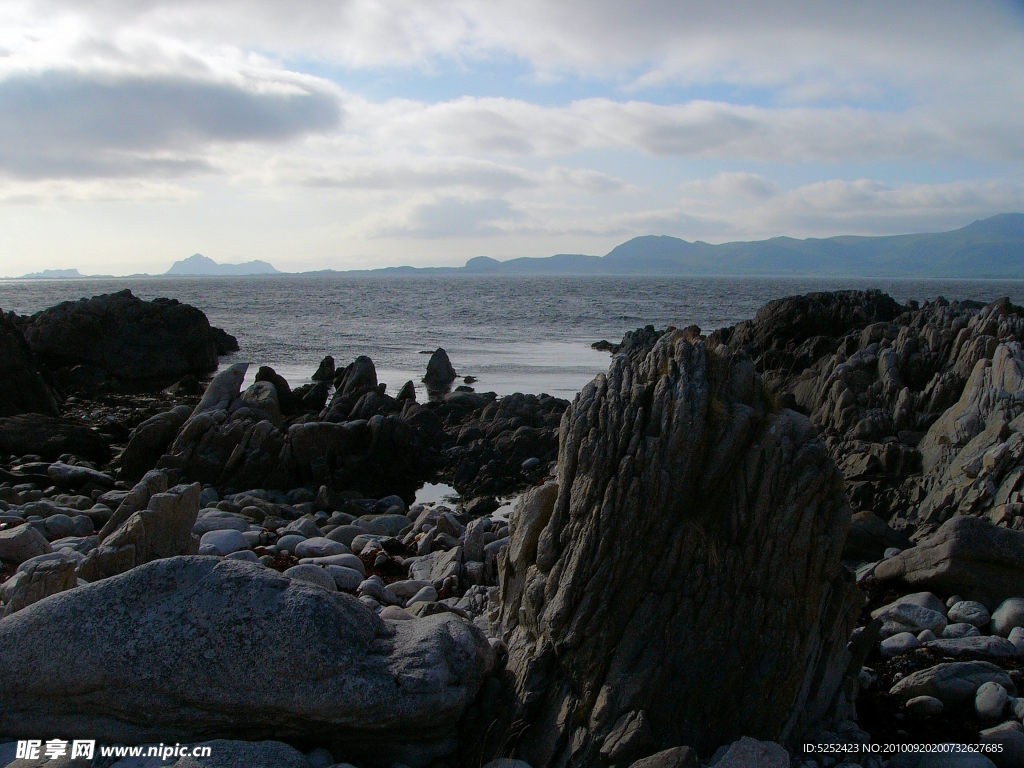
<point x="807" y="528"/>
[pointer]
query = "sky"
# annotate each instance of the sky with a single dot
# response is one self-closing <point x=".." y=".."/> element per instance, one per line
<point x="353" y="134"/>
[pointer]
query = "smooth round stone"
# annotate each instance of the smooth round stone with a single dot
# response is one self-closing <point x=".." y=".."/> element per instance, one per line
<point x="900" y="643"/>
<point x="1008" y="615"/>
<point x="1017" y="707"/>
<point x="953" y="600"/>
<point x="426" y="595"/>
<point x="1017" y="638"/>
<point x="60" y="526"/>
<point x="346" y="533"/>
<point x="345" y="579"/>
<point x="386" y="525"/>
<point x="345" y="560"/>
<point x="408" y="588"/>
<point x="243" y="554"/>
<point x="84" y="525"/>
<point x="926" y="636"/>
<point x="267" y="560"/>
<point x="222" y="542"/>
<point x="370" y="603"/>
<point x="289" y="542"/>
<point x="359" y="542"/>
<point x="394" y="613"/>
<point x="953" y="631"/>
<point x="312" y="574"/>
<point x="924" y="706"/>
<point x="990" y="701"/>
<point x="890" y="552"/>
<point x="319" y="547"/>
<point x="969" y="612"/>
<point x="374" y="589"/>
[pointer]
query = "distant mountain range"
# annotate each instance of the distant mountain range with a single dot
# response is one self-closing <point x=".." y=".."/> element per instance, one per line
<point x="199" y="265"/>
<point x="990" y="248"/>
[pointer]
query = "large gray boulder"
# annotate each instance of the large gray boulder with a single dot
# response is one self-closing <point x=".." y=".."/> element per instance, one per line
<point x="696" y="533"/>
<point x="193" y="648"/>
<point x="966" y="556"/>
<point x="954" y="683"/>
<point x="162" y="529"/>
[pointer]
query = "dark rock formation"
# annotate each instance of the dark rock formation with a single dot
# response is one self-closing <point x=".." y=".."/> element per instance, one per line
<point x="492" y="438"/>
<point x="50" y="438"/>
<point x="325" y="371"/>
<point x="236" y="440"/>
<point x="687" y="588"/>
<point x="440" y="373"/>
<point x="149" y="440"/>
<point x="285" y="398"/>
<point x="123" y="342"/>
<point x="22" y="387"/>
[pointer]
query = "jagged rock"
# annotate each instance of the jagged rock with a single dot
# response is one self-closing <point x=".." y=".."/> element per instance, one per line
<point x="162" y="529"/>
<point x="22" y="387"/>
<point x="440" y="373"/>
<point x="50" y="438"/>
<point x="140" y="344"/>
<point x="36" y="581"/>
<point x="285" y="399"/>
<point x="325" y="371"/>
<point x="385" y="692"/>
<point x="656" y="583"/>
<point x="350" y="383"/>
<point x="21" y="543"/>
<point x="967" y="556"/>
<point x="149" y="440"/>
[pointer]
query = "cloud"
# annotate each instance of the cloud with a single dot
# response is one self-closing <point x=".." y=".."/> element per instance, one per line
<point x="448" y="217"/>
<point x="512" y="127"/>
<point x="66" y="124"/>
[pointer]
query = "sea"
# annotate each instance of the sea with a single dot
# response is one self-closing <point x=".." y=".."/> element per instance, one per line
<point x="513" y="334"/>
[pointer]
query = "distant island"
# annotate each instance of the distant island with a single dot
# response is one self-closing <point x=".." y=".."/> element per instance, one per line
<point x="990" y="248"/>
<point x="202" y="266"/>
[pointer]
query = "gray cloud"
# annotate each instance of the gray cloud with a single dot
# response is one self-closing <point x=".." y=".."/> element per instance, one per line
<point x="455" y="217"/>
<point x="73" y="125"/>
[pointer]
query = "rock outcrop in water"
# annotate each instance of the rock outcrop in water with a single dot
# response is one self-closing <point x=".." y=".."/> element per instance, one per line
<point x="687" y="588"/>
<point x="118" y="341"/>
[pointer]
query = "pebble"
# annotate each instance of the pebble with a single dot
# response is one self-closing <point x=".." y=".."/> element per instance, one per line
<point x="59" y="526"/>
<point x="890" y="552"/>
<point x="267" y="560"/>
<point x="426" y="595"/>
<point x="926" y="636"/>
<point x="953" y="631"/>
<point x="408" y="588"/>
<point x="222" y="542"/>
<point x="1008" y="615"/>
<point x="899" y="643"/>
<point x="530" y="463"/>
<point x="926" y="706"/>
<point x="953" y="601"/>
<point x="289" y="542"/>
<point x="312" y="574"/>
<point x="345" y="579"/>
<point x="374" y="589"/>
<point x="1017" y="638"/>
<point x="304" y="527"/>
<point x="319" y="546"/>
<point x="1017" y="707"/>
<point x="969" y="612"/>
<point x="990" y="701"/>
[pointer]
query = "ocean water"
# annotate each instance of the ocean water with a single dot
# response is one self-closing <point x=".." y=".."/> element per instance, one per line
<point x="514" y="334"/>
